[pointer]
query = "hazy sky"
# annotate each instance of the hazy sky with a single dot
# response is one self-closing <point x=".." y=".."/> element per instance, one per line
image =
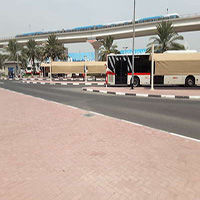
<point x="21" y="16"/>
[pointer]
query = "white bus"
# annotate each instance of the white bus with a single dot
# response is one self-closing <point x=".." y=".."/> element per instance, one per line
<point x="169" y="69"/>
<point x="29" y="69"/>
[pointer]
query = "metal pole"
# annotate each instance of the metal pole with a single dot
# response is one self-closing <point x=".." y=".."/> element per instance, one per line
<point x="17" y="65"/>
<point x="133" y="50"/>
<point x="152" y="68"/>
<point x="85" y="70"/>
<point x="50" y="69"/>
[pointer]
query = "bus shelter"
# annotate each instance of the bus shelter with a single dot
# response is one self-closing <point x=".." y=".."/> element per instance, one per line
<point x="75" y="67"/>
<point x="78" y="67"/>
<point x="177" y="63"/>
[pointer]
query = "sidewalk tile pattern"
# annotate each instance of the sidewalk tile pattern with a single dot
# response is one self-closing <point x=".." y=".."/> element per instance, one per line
<point x="50" y="151"/>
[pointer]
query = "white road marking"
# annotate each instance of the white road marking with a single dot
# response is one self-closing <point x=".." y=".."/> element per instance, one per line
<point x="100" y="83"/>
<point x="103" y="91"/>
<point x="70" y="106"/>
<point x="168" y="96"/>
<point x="120" y="93"/>
<point x="194" y="97"/>
<point x="142" y="95"/>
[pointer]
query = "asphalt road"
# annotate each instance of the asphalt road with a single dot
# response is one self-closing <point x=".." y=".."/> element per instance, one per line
<point x="176" y="116"/>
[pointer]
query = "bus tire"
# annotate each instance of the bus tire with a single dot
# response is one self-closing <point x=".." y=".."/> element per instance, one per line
<point x="136" y="82"/>
<point x="190" y="81"/>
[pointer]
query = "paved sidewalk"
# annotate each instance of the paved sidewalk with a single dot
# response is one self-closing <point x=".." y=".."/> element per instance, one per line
<point x="160" y="92"/>
<point x="50" y="151"/>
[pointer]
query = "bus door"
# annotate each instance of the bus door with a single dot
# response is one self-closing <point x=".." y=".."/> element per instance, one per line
<point x="121" y="69"/>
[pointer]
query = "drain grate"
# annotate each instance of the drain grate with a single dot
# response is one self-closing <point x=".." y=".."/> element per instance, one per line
<point x="89" y="115"/>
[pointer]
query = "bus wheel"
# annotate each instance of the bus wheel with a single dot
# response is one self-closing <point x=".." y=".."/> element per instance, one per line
<point x="136" y="82"/>
<point x="190" y="81"/>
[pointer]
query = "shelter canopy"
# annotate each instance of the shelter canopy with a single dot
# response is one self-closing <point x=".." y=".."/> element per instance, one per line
<point x="176" y="57"/>
<point x="177" y="63"/>
<point x="77" y="67"/>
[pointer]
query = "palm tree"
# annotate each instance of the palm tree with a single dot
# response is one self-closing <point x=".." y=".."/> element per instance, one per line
<point x="23" y="58"/>
<point x="31" y="51"/>
<point x="166" y="38"/>
<point x="40" y="53"/>
<point x="13" y="50"/>
<point x="107" y="48"/>
<point x="2" y="60"/>
<point x="53" y="48"/>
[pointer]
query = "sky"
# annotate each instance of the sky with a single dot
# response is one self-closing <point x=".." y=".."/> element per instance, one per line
<point x="22" y="16"/>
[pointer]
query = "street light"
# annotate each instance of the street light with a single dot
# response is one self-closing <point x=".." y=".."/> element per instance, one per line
<point x="152" y="67"/>
<point x="50" y="69"/>
<point x="132" y="84"/>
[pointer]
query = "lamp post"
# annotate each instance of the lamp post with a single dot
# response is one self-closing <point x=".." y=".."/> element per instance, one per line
<point x="152" y="68"/>
<point x="50" y="70"/>
<point x="17" y="68"/>
<point x="132" y="84"/>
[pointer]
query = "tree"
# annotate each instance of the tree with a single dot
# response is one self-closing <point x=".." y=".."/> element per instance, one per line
<point x="53" y="48"/>
<point x="107" y="48"/>
<point x="2" y="60"/>
<point x="166" y="38"/>
<point x="23" y="58"/>
<point x="13" y="50"/>
<point x="40" y="53"/>
<point x="31" y="51"/>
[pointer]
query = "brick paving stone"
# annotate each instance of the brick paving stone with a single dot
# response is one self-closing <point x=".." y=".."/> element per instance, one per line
<point x="52" y="151"/>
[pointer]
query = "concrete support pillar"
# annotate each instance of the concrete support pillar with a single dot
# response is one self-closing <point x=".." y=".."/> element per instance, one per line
<point x="96" y="54"/>
<point x="96" y="45"/>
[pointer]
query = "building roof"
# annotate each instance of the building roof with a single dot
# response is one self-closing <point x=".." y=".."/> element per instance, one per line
<point x="11" y="62"/>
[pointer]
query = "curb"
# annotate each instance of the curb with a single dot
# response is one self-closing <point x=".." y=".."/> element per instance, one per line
<point x="43" y="83"/>
<point x="144" y="95"/>
<point x="23" y="79"/>
<point x="47" y="79"/>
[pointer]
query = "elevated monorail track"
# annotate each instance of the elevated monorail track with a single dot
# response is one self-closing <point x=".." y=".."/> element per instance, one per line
<point x="182" y="24"/>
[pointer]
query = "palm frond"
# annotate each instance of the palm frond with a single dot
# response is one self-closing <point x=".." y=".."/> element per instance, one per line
<point x="177" y="46"/>
<point x="166" y="38"/>
<point x="107" y="48"/>
<point x="53" y="48"/>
